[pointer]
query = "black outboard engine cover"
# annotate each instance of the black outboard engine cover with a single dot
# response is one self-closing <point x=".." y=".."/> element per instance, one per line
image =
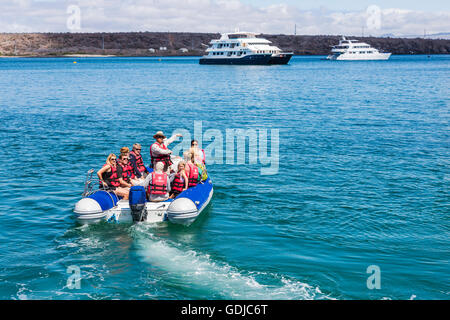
<point x="137" y="204"/>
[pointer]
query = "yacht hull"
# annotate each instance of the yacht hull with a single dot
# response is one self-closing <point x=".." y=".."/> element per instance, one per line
<point x="260" y="59"/>
<point x="346" y="57"/>
<point x="282" y="58"/>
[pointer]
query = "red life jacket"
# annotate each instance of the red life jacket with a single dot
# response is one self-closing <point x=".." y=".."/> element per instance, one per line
<point x="193" y="175"/>
<point x="165" y="158"/>
<point x="127" y="172"/>
<point x="178" y="183"/>
<point x="159" y="183"/>
<point x="113" y="179"/>
<point x="204" y="157"/>
<point x="139" y="162"/>
<point x="130" y="169"/>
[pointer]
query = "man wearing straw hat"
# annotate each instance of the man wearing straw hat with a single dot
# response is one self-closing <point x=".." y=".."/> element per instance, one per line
<point x="159" y="151"/>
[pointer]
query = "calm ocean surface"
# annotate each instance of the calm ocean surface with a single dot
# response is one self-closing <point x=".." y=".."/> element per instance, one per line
<point x="363" y="179"/>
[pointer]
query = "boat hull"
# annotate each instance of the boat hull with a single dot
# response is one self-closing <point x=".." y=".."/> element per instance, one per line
<point x="259" y="59"/>
<point x="282" y="58"/>
<point x="190" y="203"/>
<point x="346" y="57"/>
<point x="184" y="209"/>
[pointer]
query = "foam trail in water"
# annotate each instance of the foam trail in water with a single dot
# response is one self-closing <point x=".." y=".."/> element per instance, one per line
<point x="199" y="271"/>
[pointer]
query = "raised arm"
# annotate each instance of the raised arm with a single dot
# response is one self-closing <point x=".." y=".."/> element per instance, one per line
<point x="172" y="139"/>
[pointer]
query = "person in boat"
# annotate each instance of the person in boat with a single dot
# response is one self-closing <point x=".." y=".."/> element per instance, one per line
<point x="199" y="157"/>
<point x="125" y="150"/>
<point x="128" y="177"/>
<point x="110" y="175"/>
<point x="136" y="161"/>
<point x="157" y="184"/>
<point x="192" y="170"/>
<point x="159" y="151"/>
<point x="199" y="153"/>
<point x="179" y="181"/>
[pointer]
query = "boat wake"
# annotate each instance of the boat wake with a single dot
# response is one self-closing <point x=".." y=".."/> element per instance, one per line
<point x="205" y="278"/>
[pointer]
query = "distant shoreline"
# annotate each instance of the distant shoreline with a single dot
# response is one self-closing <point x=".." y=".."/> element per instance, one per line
<point x="89" y="55"/>
<point x="170" y="44"/>
<point x="182" y="56"/>
<point x="64" y="56"/>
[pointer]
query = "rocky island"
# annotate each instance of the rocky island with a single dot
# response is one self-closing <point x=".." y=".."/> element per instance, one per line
<point x="187" y="44"/>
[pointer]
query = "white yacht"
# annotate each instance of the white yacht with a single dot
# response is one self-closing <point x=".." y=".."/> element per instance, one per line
<point x="356" y="50"/>
<point x="244" y="48"/>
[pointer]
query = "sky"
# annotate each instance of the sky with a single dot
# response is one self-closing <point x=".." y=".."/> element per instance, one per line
<point x="347" y="5"/>
<point x="307" y="17"/>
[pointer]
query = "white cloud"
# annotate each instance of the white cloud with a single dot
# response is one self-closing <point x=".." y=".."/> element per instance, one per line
<point x="209" y="16"/>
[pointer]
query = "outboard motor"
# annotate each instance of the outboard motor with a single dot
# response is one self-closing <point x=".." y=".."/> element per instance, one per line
<point x="137" y="203"/>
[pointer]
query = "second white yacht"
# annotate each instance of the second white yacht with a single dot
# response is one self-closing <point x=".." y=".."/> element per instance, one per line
<point x="356" y="50"/>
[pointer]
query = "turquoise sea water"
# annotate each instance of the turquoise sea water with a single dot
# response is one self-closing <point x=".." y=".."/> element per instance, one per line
<point x="363" y="179"/>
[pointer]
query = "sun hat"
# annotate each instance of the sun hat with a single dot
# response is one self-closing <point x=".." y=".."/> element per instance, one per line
<point x="159" y="134"/>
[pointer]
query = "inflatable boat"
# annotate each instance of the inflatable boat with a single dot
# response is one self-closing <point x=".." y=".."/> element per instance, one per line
<point x="99" y="205"/>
